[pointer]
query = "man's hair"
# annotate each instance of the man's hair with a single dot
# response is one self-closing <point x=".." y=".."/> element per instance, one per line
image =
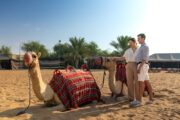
<point x="142" y="35"/>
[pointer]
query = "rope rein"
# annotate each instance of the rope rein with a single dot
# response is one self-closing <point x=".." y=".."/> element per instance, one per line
<point x="25" y="110"/>
<point x="104" y="74"/>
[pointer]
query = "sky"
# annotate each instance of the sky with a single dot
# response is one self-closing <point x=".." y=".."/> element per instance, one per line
<point x="101" y="21"/>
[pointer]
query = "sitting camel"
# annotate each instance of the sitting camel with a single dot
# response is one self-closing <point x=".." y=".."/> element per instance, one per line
<point x="117" y="87"/>
<point x="42" y="90"/>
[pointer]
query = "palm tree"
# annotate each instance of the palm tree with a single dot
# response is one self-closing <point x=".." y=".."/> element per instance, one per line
<point x="121" y="45"/>
<point x="78" y="47"/>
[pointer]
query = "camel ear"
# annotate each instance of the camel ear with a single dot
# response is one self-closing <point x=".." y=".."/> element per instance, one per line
<point x="39" y="54"/>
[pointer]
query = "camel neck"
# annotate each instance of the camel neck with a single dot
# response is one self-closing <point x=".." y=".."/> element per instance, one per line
<point x="113" y="85"/>
<point x="112" y="73"/>
<point x="37" y="82"/>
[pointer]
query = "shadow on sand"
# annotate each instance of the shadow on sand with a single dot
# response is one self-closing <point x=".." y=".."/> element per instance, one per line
<point x="91" y="110"/>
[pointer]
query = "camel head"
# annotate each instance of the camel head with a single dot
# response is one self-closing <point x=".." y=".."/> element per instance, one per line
<point x="31" y="59"/>
<point x="108" y="62"/>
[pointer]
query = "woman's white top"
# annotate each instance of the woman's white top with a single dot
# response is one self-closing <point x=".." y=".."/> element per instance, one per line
<point x="130" y="55"/>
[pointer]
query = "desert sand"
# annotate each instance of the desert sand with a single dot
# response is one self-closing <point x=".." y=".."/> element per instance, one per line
<point x="14" y="98"/>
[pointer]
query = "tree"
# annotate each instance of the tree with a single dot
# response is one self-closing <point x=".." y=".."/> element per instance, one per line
<point x="36" y="47"/>
<point x="78" y="51"/>
<point x="121" y="45"/>
<point x="103" y="53"/>
<point x="4" y="50"/>
<point x="61" y="50"/>
<point x="92" y="49"/>
<point x="78" y="48"/>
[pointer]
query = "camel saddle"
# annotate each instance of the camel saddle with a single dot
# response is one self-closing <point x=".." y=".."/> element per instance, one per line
<point x="121" y="73"/>
<point x="75" y="88"/>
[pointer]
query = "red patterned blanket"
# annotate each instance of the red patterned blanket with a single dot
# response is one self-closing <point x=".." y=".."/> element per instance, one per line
<point x="75" y="88"/>
<point x="121" y="72"/>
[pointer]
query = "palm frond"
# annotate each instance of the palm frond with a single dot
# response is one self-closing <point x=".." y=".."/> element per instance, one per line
<point x="121" y="45"/>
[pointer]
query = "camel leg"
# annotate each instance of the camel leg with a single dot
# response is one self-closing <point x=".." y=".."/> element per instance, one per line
<point x="47" y="93"/>
<point x="59" y="107"/>
<point x="125" y="89"/>
<point x="56" y="99"/>
<point x="124" y="94"/>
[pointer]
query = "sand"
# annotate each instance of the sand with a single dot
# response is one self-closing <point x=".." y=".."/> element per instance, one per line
<point x="14" y="98"/>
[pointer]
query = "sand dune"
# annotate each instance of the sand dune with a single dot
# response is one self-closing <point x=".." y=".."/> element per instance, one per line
<point x="14" y="98"/>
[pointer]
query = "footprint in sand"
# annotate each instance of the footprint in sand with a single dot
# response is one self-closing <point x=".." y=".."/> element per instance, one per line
<point x="19" y="100"/>
<point x="167" y="90"/>
<point x="131" y="115"/>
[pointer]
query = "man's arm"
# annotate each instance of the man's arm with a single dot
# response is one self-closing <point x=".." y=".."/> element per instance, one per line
<point x="143" y="62"/>
<point x="145" y="55"/>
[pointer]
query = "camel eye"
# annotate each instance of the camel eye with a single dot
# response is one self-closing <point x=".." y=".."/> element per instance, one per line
<point x="33" y="56"/>
<point x="108" y="60"/>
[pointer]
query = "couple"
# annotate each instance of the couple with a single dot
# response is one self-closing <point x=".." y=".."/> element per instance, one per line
<point x="137" y="70"/>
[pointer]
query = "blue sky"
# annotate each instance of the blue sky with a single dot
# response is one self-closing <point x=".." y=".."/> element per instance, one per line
<point x="48" y="21"/>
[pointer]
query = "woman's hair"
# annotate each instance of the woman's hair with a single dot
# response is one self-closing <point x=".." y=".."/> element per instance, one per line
<point x="133" y="40"/>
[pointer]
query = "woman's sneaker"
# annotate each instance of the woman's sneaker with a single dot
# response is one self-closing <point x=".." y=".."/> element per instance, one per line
<point x="137" y="102"/>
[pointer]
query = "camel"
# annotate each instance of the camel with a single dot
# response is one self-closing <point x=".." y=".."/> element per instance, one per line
<point x="115" y="86"/>
<point x="42" y="90"/>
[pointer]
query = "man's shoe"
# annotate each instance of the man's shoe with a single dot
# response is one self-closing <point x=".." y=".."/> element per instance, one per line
<point x="137" y="102"/>
<point x="149" y="102"/>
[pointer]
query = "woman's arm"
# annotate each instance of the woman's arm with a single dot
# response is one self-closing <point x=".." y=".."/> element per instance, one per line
<point x="119" y="58"/>
<point x="123" y="57"/>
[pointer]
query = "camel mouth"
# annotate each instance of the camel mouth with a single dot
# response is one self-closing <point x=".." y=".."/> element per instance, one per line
<point x="98" y="61"/>
<point x="27" y="59"/>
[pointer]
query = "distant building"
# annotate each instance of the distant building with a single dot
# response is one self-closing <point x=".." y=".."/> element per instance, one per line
<point x="16" y="62"/>
<point x="5" y="62"/>
<point x="11" y="63"/>
<point x="17" y="57"/>
<point x="165" y="60"/>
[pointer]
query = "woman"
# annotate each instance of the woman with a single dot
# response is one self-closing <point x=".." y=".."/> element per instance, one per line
<point x="131" y="70"/>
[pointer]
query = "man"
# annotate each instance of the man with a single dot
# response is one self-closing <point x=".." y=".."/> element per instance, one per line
<point x="142" y="70"/>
